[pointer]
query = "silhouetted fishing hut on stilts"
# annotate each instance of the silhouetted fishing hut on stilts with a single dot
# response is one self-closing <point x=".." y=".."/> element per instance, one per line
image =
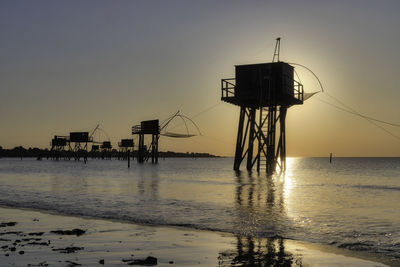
<point x="263" y="92"/>
<point x="58" y="144"/>
<point x="78" y="145"/>
<point x="95" y="151"/>
<point x="126" y="147"/>
<point x="106" y="148"/>
<point x="150" y="127"/>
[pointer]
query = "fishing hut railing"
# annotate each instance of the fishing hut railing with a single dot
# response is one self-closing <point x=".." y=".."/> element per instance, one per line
<point x="298" y="91"/>
<point x="228" y="88"/>
<point x="136" y="129"/>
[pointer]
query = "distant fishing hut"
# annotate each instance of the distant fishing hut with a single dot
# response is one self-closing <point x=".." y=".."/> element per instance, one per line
<point x="126" y="147"/>
<point x="106" y="150"/>
<point x="150" y="127"/>
<point x="95" y="151"/>
<point x="78" y="145"/>
<point x="58" y="144"/>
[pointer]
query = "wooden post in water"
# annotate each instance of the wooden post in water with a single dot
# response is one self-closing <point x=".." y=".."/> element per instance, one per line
<point x="129" y="158"/>
<point x="330" y="158"/>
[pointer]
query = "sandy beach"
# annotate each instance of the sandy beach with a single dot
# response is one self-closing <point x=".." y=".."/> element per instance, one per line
<point x="33" y="238"/>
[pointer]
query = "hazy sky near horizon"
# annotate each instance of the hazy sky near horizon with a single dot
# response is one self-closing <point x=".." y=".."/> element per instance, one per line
<point x="69" y="65"/>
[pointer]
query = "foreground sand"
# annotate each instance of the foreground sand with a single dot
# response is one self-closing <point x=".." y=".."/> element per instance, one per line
<point x="26" y="239"/>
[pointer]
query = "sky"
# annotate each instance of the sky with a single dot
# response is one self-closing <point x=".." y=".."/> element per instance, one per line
<point x="70" y="65"/>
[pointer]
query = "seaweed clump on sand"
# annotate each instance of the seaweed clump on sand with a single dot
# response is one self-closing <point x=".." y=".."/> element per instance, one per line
<point x="77" y="232"/>
<point x="67" y="249"/>
<point x="5" y="224"/>
<point x="149" y="261"/>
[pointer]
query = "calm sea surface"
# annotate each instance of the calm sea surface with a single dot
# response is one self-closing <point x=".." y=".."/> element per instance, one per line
<point x="353" y="203"/>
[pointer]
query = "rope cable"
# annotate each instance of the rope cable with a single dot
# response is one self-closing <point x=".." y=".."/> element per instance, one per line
<point x="206" y="110"/>
<point x="192" y="117"/>
<point x="168" y="120"/>
<point x="184" y="122"/>
<point x="347" y="108"/>
<point x="353" y="111"/>
<point x="297" y="75"/>
<point x="195" y="125"/>
<point x="362" y="115"/>
<point x="370" y="120"/>
<point x="320" y="84"/>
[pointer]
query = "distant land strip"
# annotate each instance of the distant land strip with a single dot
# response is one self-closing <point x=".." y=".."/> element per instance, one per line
<point x="21" y="152"/>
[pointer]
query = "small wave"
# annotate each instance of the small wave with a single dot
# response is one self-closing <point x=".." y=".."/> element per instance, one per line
<point x="377" y="187"/>
<point x="359" y="186"/>
<point x="358" y="246"/>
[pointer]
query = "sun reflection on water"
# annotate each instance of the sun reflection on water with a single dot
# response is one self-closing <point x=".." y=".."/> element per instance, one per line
<point x="288" y="182"/>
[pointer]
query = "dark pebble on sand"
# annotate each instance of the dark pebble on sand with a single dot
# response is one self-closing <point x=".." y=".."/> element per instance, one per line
<point x="38" y="243"/>
<point x="7" y="255"/>
<point x="149" y="261"/>
<point x="13" y="249"/>
<point x="67" y="249"/>
<point x="37" y="234"/>
<point x="71" y="263"/>
<point x="5" y="224"/>
<point x="21" y="252"/>
<point x="171" y="262"/>
<point x="76" y="232"/>
<point x="43" y="263"/>
<point x="101" y="262"/>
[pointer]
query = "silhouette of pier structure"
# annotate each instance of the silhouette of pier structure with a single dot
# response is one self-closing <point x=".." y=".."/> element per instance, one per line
<point x="58" y="144"/>
<point x="263" y="92"/>
<point x="75" y="146"/>
<point x="126" y="148"/>
<point x="106" y="148"/>
<point x="78" y="145"/>
<point x="95" y="151"/>
<point x="149" y="127"/>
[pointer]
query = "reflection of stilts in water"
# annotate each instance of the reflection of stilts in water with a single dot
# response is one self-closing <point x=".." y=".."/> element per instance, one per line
<point x="148" y="184"/>
<point x="260" y="202"/>
<point x="274" y="195"/>
<point x="252" y="251"/>
<point x="248" y="193"/>
<point x="251" y="192"/>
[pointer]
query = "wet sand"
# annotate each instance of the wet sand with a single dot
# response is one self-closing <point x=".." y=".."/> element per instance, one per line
<point x="33" y="238"/>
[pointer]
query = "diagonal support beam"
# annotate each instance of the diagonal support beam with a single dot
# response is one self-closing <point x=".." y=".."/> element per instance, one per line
<point x="261" y="137"/>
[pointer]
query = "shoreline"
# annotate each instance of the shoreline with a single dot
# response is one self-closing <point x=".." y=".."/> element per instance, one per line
<point x="111" y="242"/>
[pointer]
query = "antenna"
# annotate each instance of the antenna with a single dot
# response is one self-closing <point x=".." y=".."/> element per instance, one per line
<point x="277" y="49"/>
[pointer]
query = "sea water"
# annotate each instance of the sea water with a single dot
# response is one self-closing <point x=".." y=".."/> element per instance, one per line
<point x="351" y="203"/>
